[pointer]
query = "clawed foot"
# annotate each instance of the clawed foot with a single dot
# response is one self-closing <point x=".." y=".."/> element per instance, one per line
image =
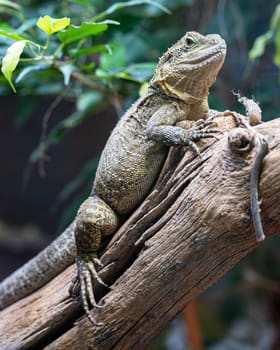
<point x="199" y="131"/>
<point x="87" y="274"/>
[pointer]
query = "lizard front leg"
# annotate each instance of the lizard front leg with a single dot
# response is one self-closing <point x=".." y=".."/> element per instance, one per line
<point x="94" y="220"/>
<point x="161" y="128"/>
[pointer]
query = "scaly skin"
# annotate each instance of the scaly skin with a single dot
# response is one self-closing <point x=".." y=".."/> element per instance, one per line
<point x="134" y="154"/>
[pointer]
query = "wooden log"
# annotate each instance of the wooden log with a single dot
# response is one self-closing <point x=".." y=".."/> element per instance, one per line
<point x="196" y="224"/>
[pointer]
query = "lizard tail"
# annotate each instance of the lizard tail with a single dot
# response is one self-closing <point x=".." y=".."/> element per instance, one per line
<point x="261" y="152"/>
<point x="39" y="270"/>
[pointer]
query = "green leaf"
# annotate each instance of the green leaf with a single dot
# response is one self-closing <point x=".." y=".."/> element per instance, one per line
<point x="66" y="70"/>
<point x="115" y="59"/>
<point x="143" y="88"/>
<point x="110" y="67"/>
<point x="125" y="75"/>
<point x="108" y="21"/>
<point x="89" y="50"/>
<point x="141" y="71"/>
<point x="120" y="5"/>
<point x="10" y="4"/>
<point x="13" y="36"/>
<point x="11" y="59"/>
<point x="276" y="58"/>
<point x="138" y="73"/>
<point x="100" y="73"/>
<point x="275" y="20"/>
<point x="11" y="8"/>
<point x="87" y="101"/>
<point x="51" y="25"/>
<point x="35" y="67"/>
<point x="87" y="66"/>
<point x="85" y="3"/>
<point x="73" y="33"/>
<point x="9" y="32"/>
<point x="11" y="12"/>
<point x="259" y="45"/>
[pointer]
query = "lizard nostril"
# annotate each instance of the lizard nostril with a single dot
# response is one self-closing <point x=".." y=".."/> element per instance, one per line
<point x="215" y="38"/>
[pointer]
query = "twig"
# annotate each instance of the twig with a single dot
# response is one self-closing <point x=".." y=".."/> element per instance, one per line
<point x="42" y="143"/>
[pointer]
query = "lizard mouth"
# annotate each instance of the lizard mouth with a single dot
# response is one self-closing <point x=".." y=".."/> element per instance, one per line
<point x="208" y="56"/>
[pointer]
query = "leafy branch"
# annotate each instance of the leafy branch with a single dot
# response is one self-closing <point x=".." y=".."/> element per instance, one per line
<point x="59" y="50"/>
<point x="49" y="44"/>
<point x="50" y="26"/>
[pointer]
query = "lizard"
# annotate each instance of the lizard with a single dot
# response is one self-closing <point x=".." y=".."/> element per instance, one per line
<point x="130" y="163"/>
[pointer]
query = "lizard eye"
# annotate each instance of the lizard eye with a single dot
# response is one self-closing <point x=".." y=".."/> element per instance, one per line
<point x="189" y="41"/>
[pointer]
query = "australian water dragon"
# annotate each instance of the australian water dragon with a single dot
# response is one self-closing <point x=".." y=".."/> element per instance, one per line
<point x="130" y="163"/>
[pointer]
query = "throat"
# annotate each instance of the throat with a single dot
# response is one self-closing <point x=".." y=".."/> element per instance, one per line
<point x="189" y="91"/>
<point x="199" y="110"/>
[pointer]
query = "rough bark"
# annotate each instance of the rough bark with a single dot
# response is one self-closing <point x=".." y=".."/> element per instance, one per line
<point x="199" y="223"/>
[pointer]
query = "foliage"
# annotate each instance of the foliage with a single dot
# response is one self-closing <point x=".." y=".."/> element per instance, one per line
<point x="68" y="51"/>
<point x="71" y="56"/>
<point x="260" y="43"/>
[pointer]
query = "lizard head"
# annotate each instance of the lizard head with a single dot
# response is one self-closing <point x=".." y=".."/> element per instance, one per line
<point x="190" y="66"/>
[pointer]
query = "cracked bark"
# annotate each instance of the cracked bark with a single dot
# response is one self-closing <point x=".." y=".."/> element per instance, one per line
<point x="199" y="223"/>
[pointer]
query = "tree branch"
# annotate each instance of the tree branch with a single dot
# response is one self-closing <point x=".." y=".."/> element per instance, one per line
<point x="196" y="224"/>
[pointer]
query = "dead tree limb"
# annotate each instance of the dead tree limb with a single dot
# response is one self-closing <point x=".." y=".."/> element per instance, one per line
<point x="196" y="224"/>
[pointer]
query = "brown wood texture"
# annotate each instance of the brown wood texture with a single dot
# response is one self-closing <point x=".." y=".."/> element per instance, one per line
<point x="199" y="223"/>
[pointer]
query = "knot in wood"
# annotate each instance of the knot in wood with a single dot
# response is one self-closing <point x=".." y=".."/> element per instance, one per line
<point x="241" y="141"/>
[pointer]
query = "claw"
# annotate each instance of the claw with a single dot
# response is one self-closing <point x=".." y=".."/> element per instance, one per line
<point x="89" y="288"/>
<point x="199" y="123"/>
<point x="203" y="124"/>
<point x="97" y="262"/>
<point x="94" y="274"/>
<point x="210" y="123"/>
<point x="193" y="146"/>
<point x="199" y="131"/>
<point x="87" y="274"/>
<point x="195" y="135"/>
<point x="210" y="134"/>
<point x="214" y="131"/>
<point x="74" y="287"/>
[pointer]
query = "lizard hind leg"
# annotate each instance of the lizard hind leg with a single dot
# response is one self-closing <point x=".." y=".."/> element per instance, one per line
<point x="95" y="220"/>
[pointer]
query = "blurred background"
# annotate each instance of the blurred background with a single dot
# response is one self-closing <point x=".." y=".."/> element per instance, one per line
<point x="70" y="92"/>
